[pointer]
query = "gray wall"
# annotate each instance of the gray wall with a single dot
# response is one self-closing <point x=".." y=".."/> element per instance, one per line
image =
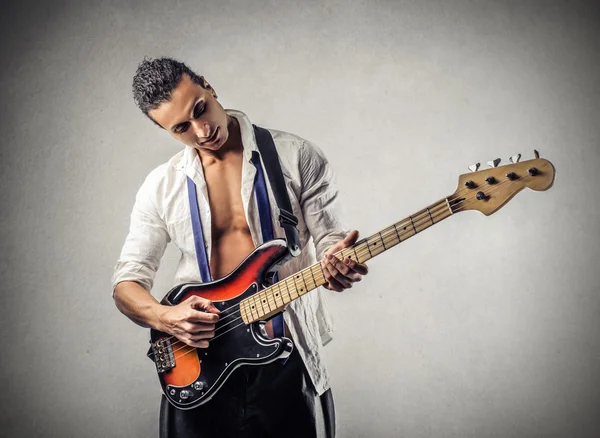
<point x="480" y="327"/>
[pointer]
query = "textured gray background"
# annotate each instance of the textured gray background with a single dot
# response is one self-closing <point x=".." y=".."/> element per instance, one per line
<point x="480" y="327"/>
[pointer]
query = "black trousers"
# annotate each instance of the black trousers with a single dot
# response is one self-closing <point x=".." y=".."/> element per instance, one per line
<point x="273" y="400"/>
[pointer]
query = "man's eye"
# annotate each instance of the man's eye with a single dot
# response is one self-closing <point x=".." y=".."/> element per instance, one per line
<point x="198" y="110"/>
<point x="182" y="129"/>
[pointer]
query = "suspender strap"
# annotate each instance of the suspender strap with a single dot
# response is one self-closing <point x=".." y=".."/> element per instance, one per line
<point x="266" y="225"/>
<point x="287" y="220"/>
<point x="198" y="234"/>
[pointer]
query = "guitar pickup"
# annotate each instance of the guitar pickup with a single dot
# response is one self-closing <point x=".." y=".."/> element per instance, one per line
<point x="164" y="359"/>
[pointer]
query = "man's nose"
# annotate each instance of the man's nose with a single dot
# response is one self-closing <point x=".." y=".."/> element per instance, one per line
<point x="202" y="129"/>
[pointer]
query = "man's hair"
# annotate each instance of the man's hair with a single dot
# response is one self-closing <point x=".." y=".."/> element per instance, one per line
<point x="155" y="80"/>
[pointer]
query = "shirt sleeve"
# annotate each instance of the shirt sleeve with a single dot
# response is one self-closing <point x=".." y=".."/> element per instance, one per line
<point x="145" y="243"/>
<point x="318" y="199"/>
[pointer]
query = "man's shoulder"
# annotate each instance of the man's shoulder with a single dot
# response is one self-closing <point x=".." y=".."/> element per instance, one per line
<point x="293" y="144"/>
<point x="166" y="172"/>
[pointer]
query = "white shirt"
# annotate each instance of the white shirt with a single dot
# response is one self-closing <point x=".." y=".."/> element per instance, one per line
<point x="161" y="214"/>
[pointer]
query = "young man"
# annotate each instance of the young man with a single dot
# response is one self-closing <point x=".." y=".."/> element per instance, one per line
<point x="278" y="399"/>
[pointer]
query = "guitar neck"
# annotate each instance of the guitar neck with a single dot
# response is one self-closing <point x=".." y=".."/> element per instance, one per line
<point x="273" y="299"/>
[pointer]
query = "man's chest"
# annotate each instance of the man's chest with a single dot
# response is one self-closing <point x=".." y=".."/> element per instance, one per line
<point x="223" y="186"/>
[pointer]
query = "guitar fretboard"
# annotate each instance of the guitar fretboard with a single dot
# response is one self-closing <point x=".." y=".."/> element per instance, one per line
<point x="273" y="299"/>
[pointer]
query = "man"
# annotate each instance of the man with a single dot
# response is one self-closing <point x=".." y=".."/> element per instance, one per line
<point x="277" y="399"/>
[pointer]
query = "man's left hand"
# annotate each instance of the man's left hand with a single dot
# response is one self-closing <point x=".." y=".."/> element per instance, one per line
<point x="340" y="274"/>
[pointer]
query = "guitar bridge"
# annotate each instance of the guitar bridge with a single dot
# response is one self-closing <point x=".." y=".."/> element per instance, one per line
<point x="164" y="359"/>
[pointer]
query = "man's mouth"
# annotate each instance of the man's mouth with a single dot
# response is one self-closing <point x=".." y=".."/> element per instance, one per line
<point x="212" y="137"/>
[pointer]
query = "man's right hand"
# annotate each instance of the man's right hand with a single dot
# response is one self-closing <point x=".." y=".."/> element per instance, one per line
<point x="192" y="321"/>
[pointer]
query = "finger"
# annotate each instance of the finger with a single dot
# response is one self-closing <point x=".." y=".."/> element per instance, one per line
<point x="332" y="283"/>
<point x="335" y="285"/>
<point x="200" y="303"/>
<point x="351" y="238"/>
<point x="201" y="336"/>
<point x="200" y="316"/>
<point x="362" y="269"/>
<point x="337" y="275"/>
<point x="348" y="274"/>
<point x="198" y="328"/>
<point x="198" y="344"/>
<point x="337" y="264"/>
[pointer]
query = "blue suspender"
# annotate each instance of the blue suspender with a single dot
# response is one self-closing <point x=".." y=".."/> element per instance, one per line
<point x="198" y="234"/>
<point x="266" y="224"/>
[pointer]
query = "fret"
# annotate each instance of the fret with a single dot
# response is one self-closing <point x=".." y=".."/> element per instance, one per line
<point x="413" y="224"/>
<point x="306" y="289"/>
<point x="312" y="274"/>
<point x="430" y="217"/>
<point x="253" y="308"/>
<point x="286" y="289"/>
<point x="265" y="300"/>
<point x="244" y="312"/>
<point x="382" y="242"/>
<point x="298" y="287"/>
<point x="392" y="237"/>
<point x="355" y="256"/>
<point x="397" y="233"/>
<point x="287" y="284"/>
<point x="307" y="278"/>
<point x="375" y="249"/>
<point x="368" y="249"/>
<point x="275" y="294"/>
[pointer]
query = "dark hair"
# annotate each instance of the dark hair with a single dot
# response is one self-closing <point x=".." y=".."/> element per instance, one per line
<point x="155" y="80"/>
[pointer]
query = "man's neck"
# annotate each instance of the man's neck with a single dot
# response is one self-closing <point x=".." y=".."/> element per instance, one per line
<point x="232" y="146"/>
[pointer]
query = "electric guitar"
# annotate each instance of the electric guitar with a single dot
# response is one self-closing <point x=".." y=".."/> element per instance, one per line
<point x="247" y="298"/>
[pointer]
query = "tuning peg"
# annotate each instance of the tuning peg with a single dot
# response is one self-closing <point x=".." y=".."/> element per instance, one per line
<point x="474" y="167"/>
<point x="515" y="158"/>
<point x="494" y="163"/>
<point x="537" y="154"/>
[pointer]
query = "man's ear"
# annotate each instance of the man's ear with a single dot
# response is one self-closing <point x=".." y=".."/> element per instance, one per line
<point x="206" y="85"/>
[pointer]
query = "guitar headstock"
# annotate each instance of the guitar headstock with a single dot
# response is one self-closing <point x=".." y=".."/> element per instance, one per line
<point x="488" y="190"/>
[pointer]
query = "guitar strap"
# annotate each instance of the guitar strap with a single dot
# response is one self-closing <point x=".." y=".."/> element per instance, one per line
<point x="286" y="219"/>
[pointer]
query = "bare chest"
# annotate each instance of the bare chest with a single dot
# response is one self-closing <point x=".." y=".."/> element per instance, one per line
<point x="224" y="182"/>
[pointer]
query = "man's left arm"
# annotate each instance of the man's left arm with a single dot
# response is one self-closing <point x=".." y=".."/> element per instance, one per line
<point x="318" y="202"/>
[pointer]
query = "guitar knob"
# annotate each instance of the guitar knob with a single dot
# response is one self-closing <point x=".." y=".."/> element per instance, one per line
<point x="184" y="394"/>
<point x="490" y="180"/>
<point x="199" y="386"/>
<point x="470" y="184"/>
<point x="494" y="163"/>
<point x="532" y="171"/>
<point x="511" y="176"/>
<point x="474" y="167"/>
<point x="480" y="195"/>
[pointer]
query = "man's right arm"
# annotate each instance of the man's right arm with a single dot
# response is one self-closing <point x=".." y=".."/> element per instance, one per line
<point x="193" y="320"/>
<point x="138" y="304"/>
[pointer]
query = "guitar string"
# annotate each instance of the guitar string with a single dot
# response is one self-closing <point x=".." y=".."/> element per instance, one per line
<point x="286" y="281"/>
<point x="362" y="251"/>
<point x="493" y="189"/>
<point x="391" y="233"/>
<point x="437" y="208"/>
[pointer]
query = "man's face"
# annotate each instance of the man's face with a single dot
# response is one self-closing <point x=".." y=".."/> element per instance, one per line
<point x="194" y="116"/>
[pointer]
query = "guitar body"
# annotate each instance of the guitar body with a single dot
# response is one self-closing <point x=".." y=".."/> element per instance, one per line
<point x="191" y="376"/>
